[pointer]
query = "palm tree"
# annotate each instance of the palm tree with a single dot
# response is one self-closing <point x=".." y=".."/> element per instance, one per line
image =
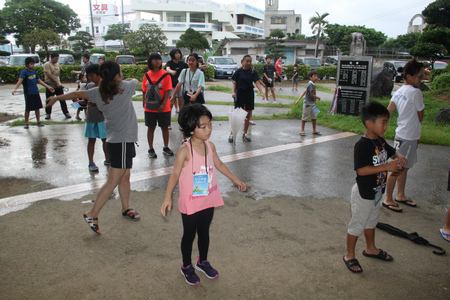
<point x="318" y="25"/>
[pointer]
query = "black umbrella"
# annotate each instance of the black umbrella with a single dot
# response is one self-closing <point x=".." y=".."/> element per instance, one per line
<point x="410" y="236"/>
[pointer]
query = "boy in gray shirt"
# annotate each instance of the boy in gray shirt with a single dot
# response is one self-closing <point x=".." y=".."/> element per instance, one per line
<point x="309" y="103"/>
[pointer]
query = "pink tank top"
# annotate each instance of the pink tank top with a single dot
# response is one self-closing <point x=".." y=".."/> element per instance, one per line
<point x="192" y="196"/>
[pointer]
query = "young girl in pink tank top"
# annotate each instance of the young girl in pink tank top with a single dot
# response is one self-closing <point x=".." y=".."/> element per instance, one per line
<point x="195" y="170"/>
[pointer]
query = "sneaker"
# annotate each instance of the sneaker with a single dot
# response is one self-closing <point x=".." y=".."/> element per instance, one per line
<point x="93" y="167"/>
<point x="296" y="89"/>
<point x="267" y="101"/>
<point x="152" y="153"/>
<point x="246" y="138"/>
<point x="40" y="124"/>
<point x="167" y="151"/>
<point x="26" y="126"/>
<point x="274" y="102"/>
<point x="47" y="117"/>
<point x="68" y="116"/>
<point x="251" y="122"/>
<point x="230" y="138"/>
<point x="206" y="268"/>
<point x="189" y="275"/>
<point x="107" y="163"/>
<point x="280" y="89"/>
<point x="292" y="89"/>
<point x="78" y="118"/>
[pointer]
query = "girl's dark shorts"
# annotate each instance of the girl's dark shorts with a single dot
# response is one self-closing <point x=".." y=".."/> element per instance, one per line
<point x="245" y="99"/>
<point x="32" y="102"/>
<point x="121" y="155"/>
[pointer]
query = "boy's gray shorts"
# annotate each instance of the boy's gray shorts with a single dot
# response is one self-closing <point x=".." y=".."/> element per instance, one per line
<point x="365" y="213"/>
<point x="407" y="147"/>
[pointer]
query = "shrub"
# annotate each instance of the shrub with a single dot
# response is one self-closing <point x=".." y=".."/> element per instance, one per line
<point x="302" y="71"/>
<point x="435" y="73"/>
<point x="327" y="71"/>
<point x="209" y="73"/>
<point x="97" y="50"/>
<point x="442" y="81"/>
<point x="11" y="74"/>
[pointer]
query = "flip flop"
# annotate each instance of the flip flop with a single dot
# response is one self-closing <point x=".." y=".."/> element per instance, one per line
<point x="406" y="202"/>
<point x="445" y="236"/>
<point x="302" y="134"/>
<point x="91" y="223"/>
<point x="132" y="214"/>
<point x="352" y="263"/>
<point x="381" y="255"/>
<point x="389" y="206"/>
<point x="317" y="133"/>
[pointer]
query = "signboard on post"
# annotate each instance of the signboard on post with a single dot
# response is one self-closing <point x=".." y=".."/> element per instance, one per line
<point x="353" y="82"/>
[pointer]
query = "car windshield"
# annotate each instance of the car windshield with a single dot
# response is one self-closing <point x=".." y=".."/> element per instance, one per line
<point x="20" y="60"/>
<point x="225" y="61"/>
<point x="399" y="64"/>
<point x="312" y="62"/>
<point x="126" y="60"/>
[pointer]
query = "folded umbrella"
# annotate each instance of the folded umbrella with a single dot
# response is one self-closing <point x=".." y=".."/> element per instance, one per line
<point x="236" y="117"/>
<point x="410" y="236"/>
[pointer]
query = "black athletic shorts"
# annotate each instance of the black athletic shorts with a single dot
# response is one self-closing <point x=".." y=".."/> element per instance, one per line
<point x="121" y="155"/>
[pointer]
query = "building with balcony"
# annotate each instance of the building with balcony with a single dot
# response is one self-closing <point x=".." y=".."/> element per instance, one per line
<point x="214" y="20"/>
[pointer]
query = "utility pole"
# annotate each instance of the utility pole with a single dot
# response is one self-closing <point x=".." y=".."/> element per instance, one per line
<point x="122" y="13"/>
<point x="92" y="20"/>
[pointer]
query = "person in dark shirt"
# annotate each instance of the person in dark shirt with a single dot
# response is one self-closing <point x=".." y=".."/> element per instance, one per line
<point x="174" y="68"/>
<point x="268" y="72"/>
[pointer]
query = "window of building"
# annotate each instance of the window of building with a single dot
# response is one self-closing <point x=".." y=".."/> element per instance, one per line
<point x="297" y="20"/>
<point x="96" y="29"/>
<point x="197" y="18"/>
<point x="311" y="52"/>
<point x="176" y="17"/>
<point x="88" y="29"/>
<point x="278" y="20"/>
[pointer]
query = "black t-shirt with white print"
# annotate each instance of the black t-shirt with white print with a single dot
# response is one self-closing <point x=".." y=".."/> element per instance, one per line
<point x="370" y="152"/>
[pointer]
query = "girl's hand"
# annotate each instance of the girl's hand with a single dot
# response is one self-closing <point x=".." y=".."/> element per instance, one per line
<point x="167" y="204"/>
<point x="193" y="98"/>
<point x="51" y="89"/>
<point x="14" y="92"/>
<point x="233" y="95"/>
<point x="240" y="185"/>
<point x="50" y="101"/>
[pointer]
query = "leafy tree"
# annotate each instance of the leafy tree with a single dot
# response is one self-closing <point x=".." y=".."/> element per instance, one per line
<point x="25" y="16"/>
<point x="437" y="13"/>
<point x="402" y="41"/>
<point x="437" y="35"/>
<point x="43" y="38"/>
<point x="340" y="35"/>
<point x="117" y="32"/>
<point x="429" y="50"/>
<point x="83" y="41"/>
<point x="149" y="38"/>
<point x="192" y="40"/>
<point x="318" y="24"/>
<point x="274" y="43"/>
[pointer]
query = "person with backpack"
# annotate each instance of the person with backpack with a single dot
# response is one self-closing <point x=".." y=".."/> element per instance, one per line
<point x="156" y="87"/>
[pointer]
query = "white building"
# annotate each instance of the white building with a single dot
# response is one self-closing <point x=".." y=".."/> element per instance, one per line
<point x="214" y="20"/>
<point x="285" y="20"/>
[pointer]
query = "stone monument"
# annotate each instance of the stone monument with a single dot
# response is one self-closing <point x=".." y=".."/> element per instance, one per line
<point x="357" y="45"/>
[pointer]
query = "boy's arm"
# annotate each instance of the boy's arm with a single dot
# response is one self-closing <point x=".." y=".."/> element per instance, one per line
<point x="69" y="96"/>
<point x="258" y="85"/>
<point x="304" y="93"/>
<point x="19" y="82"/>
<point x="224" y="169"/>
<point x="46" y="85"/>
<point x="313" y="95"/>
<point x="391" y="107"/>
<point x="391" y="166"/>
<point x="182" y="156"/>
<point x="401" y="159"/>
<point x="420" y="115"/>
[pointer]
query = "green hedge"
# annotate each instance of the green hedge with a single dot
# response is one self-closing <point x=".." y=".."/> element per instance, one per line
<point x="327" y="71"/>
<point x="302" y="70"/>
<point x="436" y="73"/>
<point x="442" y="81"/>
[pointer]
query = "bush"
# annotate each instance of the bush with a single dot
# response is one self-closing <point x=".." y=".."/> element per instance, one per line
<point x="302" y="71"/>
<point x="111" y="55"/>
<point x="97" y="50"/>
<point x="327" y="71"/>
<point x="4" y="53"/>
<point x="435" y="73"/>
<point x="11" y="74"/>
<point x="442" y="81"/>
<point x="209" y="73"/>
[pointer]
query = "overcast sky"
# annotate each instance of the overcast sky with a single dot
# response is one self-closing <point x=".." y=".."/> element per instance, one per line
<point x="388" y="16"/>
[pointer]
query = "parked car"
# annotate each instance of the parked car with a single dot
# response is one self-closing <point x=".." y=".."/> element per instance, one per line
<point x="331" y="61"/>
<point x="66" y="59"/>
<point x="313" y="62"/>
<point x="95" y="58"/>
<point x="19" y="59"/>
<point x="223" y="66"/>
<point x="396" y="67"/>
<point x="185" y="59"/>
<point x="125" y="60"/>
<point x="437" y="65"/>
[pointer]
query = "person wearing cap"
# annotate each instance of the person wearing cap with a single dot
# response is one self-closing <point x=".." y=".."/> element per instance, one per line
<point x="113" y="99"/>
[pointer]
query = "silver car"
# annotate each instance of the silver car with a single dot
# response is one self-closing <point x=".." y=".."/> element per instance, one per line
<point x="223" y="66"/>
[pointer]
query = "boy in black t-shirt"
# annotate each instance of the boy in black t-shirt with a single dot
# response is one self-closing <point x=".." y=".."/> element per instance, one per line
<point x="371" y="156"/>
<point x="268" y="71"/>
<point x="174" y="68"/>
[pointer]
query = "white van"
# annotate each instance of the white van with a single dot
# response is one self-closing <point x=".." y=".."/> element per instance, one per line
<point x="95" y="58"/>
<point x="19" y="59"/>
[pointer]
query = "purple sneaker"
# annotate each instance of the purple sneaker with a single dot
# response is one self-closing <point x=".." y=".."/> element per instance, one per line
<point x="189" y="275"/>
<point x="206" y="268"/>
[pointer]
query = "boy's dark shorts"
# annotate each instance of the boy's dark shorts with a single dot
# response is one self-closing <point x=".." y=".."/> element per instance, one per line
<point x="163" y="118"/>
<point x="121" y="155"/>
<point x="32" y="102"/>
<point x="267" y="83"/>
<point x="277" y="78"/>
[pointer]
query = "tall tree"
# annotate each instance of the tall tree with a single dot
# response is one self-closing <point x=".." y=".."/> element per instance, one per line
<point x="403" y="41"/>
<point x="83" y="41"/>
<point x="275" y="42"/>
<point x="437" y="13"/>
<point x="192" y="40"/>
<point x="318" y="24"/>
<point x="25" y="16"/>
<point x="42" y="37"/>
<point x="117" y="32"/>
<point x="149" y="38"/>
